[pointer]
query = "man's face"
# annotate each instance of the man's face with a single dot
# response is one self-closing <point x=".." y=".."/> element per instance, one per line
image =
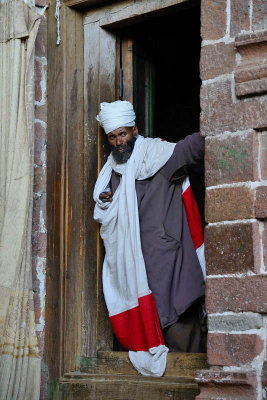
<point x="122" y="142"/>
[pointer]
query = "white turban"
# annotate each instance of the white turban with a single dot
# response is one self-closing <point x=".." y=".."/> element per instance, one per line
<point x="115" y="115"/>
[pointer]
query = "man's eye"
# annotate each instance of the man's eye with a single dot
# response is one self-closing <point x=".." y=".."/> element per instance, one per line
<point x="123" y="133"/>
<point x="111" y="137"/>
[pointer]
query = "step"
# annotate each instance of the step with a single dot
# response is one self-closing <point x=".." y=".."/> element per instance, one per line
<point x="81" y="386"/>
<point x="111" y="376"/>
<point x="178" y="364"/>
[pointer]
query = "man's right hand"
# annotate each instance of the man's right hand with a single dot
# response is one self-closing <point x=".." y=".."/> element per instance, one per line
<point x="106" y="197"/>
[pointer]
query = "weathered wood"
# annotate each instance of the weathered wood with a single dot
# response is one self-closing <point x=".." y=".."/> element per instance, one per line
<point x="99" y="86"/>
<point x="64" y="205"/>
<point x="123" y="12"/>
<point x="127" y="66"/>
<point x="74" y="205"/>
<point x="90" y="284"/>
<point x="55" y="202"/>
<point x="126" y="387"/>
<point x="115" y="362"/>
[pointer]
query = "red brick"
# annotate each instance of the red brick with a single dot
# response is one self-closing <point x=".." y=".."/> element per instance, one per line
<point x="39" y="182"/>
<point x="217" y="59"/>
<point x="264" y="376"/>
<point x="259" y="14"/>
<point x="263" y="155"/>
<point x="233" y="349"/>
<point x="41" y="342"/>
<point x="237" y="294"/>
<point x="37" y="80"/>
<point x="229" y="248"/>
<point x="218" y="384"/>
<point x="229" y="203"/>
<point x="220" y="114"/>
<point x="39" y="244"/>
<point x="40" y="112"/>
<point x="39" y="205"/>
<point x="231" y="159"/>
<point x="213" y="19"/>
<point x="41" y="38"/>
<point x="264" y="244"/>
<point x="39" y="144"/>
<point x="239" y="16"/>
<point x="40" y="3"/>
<point x="261" y="202"/>
<point x="37" y="307"/>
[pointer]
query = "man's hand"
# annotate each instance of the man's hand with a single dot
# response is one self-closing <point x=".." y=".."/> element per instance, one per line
<point x="105" y="197"/>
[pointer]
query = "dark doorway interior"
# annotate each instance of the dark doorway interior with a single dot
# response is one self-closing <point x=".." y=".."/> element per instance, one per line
<point x="166" y="82"/>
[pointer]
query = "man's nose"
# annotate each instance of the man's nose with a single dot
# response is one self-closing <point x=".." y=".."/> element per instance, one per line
<point x="118" y="141"/>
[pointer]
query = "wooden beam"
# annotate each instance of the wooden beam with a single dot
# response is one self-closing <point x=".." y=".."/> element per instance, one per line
<point x="126" y="12"/>
<point x="64" y="192"/>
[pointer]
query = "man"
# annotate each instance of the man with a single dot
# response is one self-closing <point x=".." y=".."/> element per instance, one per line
<point x="148" y="172"/>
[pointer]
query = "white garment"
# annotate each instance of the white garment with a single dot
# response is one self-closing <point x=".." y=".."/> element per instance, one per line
<point x="116" y="115"/>
<point x="124" y="273"/>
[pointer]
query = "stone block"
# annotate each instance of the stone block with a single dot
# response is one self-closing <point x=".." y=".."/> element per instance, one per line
<point x="39" y="244"/>
<point x="213" y="19"/>
<point x="229" y="248"/>
<point x="217" y="112"/>
<point x="40" y="112"/>
<point x="234" y="322"/>
<point x="239" y="16"/>
<point x="261" y="202"/>
<point x="264" y="378"/>
<point x="231" y="159"/>
<point x="38" y="80"/>
<point x="233" y="349"/>
<point x="39" y="206"/>
<point x="39" y="144"/>
<point x="217" y="59"/>
<point x="41" y="342"/>
<point x="39" y="181"/>
<point x="41" y="38"/>
<point x="263" y="155"/>
<point x="40" y="3"/>
<point x="237" y="294"/>
<point x="259" y="16"/>
<point x="220" y="112"/>
<point x="251" y="113"/>
<point x="229" y="203"/>
<point x="264" y="243"/>
<point x="218" y="385"/>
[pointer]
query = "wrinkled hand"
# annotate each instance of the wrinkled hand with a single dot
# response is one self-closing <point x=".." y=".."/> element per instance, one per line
<point x="106" y="197"/>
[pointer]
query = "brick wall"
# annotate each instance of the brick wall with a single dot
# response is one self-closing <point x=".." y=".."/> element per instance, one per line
<point x="234" y="121"/>
<point x="39" y="233"/>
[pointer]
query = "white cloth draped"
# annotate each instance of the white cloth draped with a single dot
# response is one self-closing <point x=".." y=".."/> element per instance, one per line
<point x="19" y="357"/>
<point x="124" y="273"/>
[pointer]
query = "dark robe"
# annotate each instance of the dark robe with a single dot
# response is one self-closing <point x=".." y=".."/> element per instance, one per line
<point x="173" y="270"/>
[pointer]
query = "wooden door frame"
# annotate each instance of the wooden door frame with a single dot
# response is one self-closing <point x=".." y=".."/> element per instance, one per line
<point x="77" y="325"/>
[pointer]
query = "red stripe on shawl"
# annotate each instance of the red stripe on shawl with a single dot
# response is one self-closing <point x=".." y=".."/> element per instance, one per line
<point x="193" y="217"/>
<point x="138" y="329"/>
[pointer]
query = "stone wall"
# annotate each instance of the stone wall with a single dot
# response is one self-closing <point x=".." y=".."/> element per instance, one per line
<point x="234" y="121"/>
<point x="39" y="232"/>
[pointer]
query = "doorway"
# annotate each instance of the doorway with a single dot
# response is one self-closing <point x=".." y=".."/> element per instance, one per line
<point x="82" y="73"/>
<point x="160" y="76"/>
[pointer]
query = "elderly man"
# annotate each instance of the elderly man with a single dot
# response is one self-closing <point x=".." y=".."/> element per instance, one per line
<point x="150" y="254"/>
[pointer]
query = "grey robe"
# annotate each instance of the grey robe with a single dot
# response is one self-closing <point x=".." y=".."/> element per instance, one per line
<point x="173" y="270"/>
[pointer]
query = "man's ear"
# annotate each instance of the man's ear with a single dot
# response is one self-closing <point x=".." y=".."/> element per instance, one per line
<point x="135" y="131"/>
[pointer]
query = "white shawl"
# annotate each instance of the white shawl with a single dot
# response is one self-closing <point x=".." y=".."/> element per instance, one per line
<point x="124" y="273"/>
